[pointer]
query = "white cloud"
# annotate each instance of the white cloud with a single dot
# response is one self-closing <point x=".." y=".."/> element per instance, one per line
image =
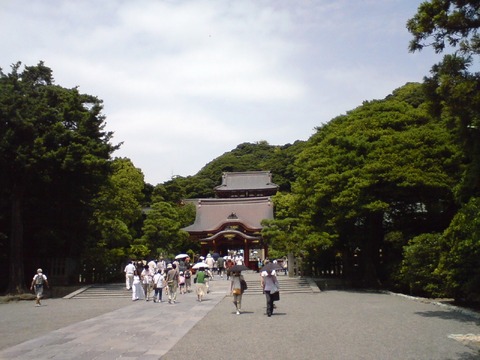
<point x="183" y="82"/>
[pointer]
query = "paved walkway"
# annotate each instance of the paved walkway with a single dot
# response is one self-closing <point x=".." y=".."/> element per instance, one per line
<point x="327" y="325"/>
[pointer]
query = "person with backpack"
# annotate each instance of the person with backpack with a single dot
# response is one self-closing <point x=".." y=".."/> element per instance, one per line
<point x="39" y="280"/>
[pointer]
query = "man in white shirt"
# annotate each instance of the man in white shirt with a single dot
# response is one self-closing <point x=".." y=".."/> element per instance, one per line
<point x="129" y="270"/>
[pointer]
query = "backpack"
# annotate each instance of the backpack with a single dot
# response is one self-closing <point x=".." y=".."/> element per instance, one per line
<point x="39" y="279"/>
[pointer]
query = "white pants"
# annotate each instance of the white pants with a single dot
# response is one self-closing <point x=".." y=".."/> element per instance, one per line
<point x="128" y="281"/>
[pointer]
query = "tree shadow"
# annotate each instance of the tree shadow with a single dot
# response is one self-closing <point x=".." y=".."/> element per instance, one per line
<point x="449" y="315"/>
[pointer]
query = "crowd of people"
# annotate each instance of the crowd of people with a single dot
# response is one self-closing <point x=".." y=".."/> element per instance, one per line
<point x="159" y="280"/>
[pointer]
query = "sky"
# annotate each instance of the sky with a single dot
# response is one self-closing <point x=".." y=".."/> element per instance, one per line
<point x="185" y="81"/>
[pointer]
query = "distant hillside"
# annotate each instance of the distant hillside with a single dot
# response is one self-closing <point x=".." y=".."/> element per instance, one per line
<point x="245" y="157"/>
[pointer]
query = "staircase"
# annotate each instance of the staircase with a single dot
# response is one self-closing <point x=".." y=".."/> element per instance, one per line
<point x="287" y="285"/>
<point x="96" y="291"/>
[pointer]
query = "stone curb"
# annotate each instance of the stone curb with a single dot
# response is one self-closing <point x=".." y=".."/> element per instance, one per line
<point x="75" y="293"/>
<point x="454" y="308"/>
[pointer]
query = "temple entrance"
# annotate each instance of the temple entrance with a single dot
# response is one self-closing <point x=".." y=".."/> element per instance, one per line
<point x="232" y="223"/>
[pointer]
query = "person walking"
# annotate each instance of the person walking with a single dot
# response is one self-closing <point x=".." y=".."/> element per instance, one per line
<point x="147" y="281"/>
<point x="228" y="264"/>
<point x="210" y="261"/>
<point x="137" y="288"/>
<point x="181" y="283"/>
<point x="129" y="270"/>
<point x="161" y="265"/>
<point x="172" y="283"/>
<point x="200" y="283"/>
<point x="39" y="280"/>
<point x="159" y="283"/>
<point x="221" y="266"/>
<point x="269" y="283"/>
<point x="188" y="279"/>
<point x="236" y="290"/>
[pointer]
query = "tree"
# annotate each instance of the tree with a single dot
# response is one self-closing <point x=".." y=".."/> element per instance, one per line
<point x="459" y="265"/>
<point x="52" y="141"/>
<point x="385" y="166"/>
<point x="162" y="232"/>
<point x="418" y="269"/>
<point x="439" y="23"/>
<point x="117" y="217"/>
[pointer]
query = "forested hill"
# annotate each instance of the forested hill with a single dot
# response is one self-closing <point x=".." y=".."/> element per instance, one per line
<point x="278" y="159"/>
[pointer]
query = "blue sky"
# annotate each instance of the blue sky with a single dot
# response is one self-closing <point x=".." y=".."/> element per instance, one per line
<point x="185" y="81"/>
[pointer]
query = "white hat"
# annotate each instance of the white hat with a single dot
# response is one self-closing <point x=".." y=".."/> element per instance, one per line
<point x="169" y="266"/>
<point x="39" y="271"/>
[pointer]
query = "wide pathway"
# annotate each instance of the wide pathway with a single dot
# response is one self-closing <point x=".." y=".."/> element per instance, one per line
<point x="326" y="325"/>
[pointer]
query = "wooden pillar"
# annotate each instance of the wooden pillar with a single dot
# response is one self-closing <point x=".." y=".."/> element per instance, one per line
<point x="246" y="253"/>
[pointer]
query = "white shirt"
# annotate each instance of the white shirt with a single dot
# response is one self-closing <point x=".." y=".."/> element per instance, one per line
<point x="130" y="269"/>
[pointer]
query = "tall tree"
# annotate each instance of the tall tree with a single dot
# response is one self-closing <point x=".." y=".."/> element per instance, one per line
<point x="454" y="92"/>
<point x="52" y="140"/>
<point x="385" y="166"/>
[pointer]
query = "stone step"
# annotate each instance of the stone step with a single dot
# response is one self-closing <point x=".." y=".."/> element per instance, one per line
<point x="286" y="285"/>
<point x="95" y="291"/>
<point x="117" y="290"/>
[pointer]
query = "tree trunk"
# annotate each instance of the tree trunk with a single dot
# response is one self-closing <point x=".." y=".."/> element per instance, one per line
<point x="16" y="283"/>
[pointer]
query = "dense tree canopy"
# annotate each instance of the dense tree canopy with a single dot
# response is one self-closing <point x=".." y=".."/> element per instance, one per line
<point x="54" y="156"/>
<point x="116" y="220"/>
<point x="385" y="166"/>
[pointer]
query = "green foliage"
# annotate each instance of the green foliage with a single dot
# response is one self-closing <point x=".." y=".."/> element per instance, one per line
<point x="162" y="229"/>
<point x="446" y="264"/>
<point x="385" y="166"/>
<point x="54" y="157"/>
<point x="441" y="23"/>
<point x="460" y="263"/>
<point x="254" y="157"/>
<point x="418" y="270"/>
<point x="118" y="210"/>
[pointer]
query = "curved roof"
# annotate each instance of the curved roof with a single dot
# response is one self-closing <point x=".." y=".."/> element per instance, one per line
<point x="248" y="180"/>
<point x="212" y="214"/>
<point x="233" y="232"/>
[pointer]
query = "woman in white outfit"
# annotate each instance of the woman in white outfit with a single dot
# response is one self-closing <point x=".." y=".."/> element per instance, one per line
<point x="137" y="289"/>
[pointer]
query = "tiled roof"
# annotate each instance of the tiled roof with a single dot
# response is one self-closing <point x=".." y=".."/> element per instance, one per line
<point x="213" y="213"/>
<point x="249" y="180"/>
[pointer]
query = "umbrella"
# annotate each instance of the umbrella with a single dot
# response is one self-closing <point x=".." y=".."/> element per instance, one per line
<point x="181" y="256"/>
<point x="235" y="268"/>
<point x="199" y="265"/>
<point x="271" y="266"/>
